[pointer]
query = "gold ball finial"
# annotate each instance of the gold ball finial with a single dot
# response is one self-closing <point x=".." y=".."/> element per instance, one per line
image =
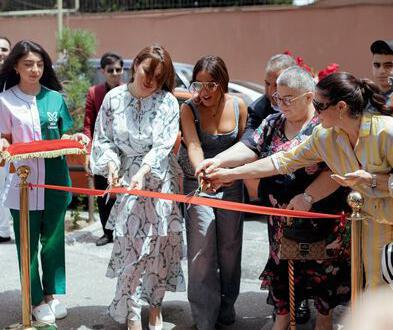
<point x="23" y="172"/>
<point x="356" y="201"/>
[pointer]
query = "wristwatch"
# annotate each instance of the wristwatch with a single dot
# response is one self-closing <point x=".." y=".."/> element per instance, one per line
<point x="308" y="198"/>
<point x="373" y="181"/>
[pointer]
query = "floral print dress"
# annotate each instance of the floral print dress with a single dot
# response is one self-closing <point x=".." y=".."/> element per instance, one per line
<point x="148" y="232"/>
<point x="327" y="281"/>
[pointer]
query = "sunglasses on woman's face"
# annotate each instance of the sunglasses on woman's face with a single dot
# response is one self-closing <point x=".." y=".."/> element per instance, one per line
<point x="113" y="70"/>
<point x="197" y="86"/>
<point x="320" y="106"/>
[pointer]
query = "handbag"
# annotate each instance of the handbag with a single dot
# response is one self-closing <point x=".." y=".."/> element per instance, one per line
<point x="292" y="249"/>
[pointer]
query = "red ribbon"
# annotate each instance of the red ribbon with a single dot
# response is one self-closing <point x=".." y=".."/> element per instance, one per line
<point x="217" y="203"/>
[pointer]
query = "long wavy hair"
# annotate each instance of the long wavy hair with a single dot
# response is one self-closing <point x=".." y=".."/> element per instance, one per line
<point x="8" y="75"/>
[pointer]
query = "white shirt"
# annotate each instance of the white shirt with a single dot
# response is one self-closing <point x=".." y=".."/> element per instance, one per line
<point x="19" y="117"/>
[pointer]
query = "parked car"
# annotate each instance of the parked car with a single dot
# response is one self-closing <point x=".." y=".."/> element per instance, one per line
<point x="249" y="91"/>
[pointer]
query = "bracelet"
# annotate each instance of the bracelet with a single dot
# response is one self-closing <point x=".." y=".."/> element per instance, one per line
<point x="308" y="198"/>
<point x="390" y="185"/>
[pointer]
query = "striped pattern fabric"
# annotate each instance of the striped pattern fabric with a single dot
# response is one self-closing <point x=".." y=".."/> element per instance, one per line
<point x="373" y="153"/>
<point x="387" y="263"/>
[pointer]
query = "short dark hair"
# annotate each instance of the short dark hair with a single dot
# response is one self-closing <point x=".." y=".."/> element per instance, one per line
<point x="158" y="55"/>
<point x="6" y="39"/>
<point x="382" y="47"/>
<point x="216" y="67"/>
<point x="110" y="58"/>
<point x="8" y="75"/>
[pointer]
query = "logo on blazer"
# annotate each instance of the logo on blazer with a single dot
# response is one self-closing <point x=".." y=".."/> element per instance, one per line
<point x="52" y="118"/>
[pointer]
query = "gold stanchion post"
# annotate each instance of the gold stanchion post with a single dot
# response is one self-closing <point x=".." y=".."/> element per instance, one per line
<point x="23" y="173"/>
<point x="291" y="278"/>
<point x="356" y="201"/>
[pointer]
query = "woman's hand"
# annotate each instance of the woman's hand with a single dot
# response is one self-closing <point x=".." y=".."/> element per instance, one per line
<point x="353" y="179"/>
<point x="113" y="175"/>
<point x="137" y="181"/>
<point x="299" y="203"/>
<point x="219" y="177"/>
<point x="207" y="166"/>
<point x="80" y="137"/>
<point x="4" y="144"/>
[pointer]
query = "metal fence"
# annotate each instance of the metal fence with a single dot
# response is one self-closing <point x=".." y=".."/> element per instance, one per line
<point x="122" y="5"/>
<point x="126" y="5"/>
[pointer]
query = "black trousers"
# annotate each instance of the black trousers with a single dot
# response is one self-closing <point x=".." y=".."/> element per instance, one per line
<point x="104" y="209"/>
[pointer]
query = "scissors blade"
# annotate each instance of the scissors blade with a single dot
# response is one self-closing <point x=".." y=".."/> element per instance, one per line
<point x="107" y="193"/>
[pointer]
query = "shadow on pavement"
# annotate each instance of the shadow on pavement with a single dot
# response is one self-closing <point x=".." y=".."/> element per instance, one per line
<point x="82" y="236"/>
<point x="252" y="314"/>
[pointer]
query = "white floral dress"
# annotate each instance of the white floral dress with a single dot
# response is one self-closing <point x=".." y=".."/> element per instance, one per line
<point x="148" y="232"/>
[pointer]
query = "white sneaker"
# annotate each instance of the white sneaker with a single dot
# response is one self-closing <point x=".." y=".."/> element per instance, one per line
<point x="43" y="313"/>
<point x="58" y="309"/>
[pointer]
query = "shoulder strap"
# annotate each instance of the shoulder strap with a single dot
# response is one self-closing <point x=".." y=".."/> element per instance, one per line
<point x="236" y="109"/>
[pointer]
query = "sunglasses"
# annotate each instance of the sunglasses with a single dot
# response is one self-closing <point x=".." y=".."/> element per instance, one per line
<point x="286" y="100"/>
<point x="197" y="86"/>
<point x="320" y="106"/>
<point x="113" y="70"/>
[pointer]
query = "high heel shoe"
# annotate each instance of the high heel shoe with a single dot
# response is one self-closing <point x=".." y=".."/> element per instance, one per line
<point x="156" y="326"/>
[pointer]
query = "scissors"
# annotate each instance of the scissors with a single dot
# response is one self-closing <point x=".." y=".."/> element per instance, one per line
<point x="107" y="193"/>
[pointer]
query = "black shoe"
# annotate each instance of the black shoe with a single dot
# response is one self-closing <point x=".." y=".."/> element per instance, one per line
<point x="103" y="240"/>
<point x="224" y="323"/>
<point x="226" y="316"/>
<point x="302" y="313"/>
<point x="4" y="239"/>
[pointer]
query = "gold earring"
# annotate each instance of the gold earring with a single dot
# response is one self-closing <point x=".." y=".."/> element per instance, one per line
<point x="340" y="115"/>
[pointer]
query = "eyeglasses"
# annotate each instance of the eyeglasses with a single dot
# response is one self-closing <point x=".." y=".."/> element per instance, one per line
<point x="197" y="86"/>
<point x="320" y="106"/>
<point x="286" y="100"/>
<point x="112" y="70"/>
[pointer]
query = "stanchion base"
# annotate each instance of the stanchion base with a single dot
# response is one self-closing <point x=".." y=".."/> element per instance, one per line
<point x="34" y="326"/>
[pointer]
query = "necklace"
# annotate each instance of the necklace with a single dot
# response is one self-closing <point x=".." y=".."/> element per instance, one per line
<point x="216" y="109"/>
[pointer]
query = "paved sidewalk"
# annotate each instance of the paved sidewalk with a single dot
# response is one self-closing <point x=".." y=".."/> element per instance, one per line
<point x="89" y="292"/>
